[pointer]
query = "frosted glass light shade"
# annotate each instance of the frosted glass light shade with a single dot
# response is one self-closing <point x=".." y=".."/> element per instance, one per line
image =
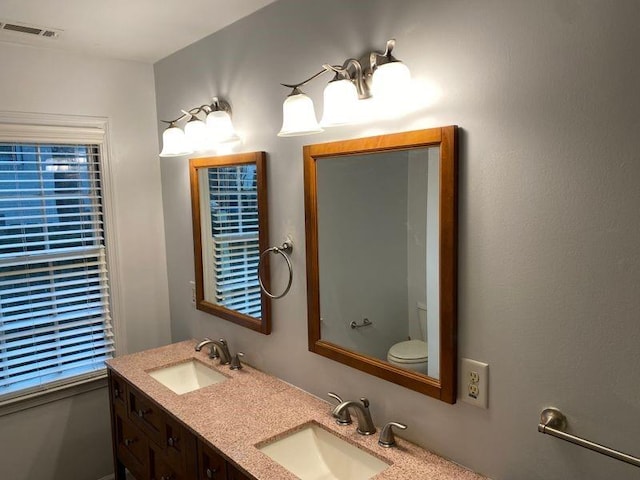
<point x="220" y="127"/>
<point x="197" y="135"/>
<point x="174" y="143"/>
<point x="390" y="80"/>
<point x="298" y="116"/>
<point x="340" y="103"/>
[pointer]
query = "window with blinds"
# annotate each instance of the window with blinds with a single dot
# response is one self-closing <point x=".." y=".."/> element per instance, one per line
<point x="55" y="324"/>
<point x="233" y="202"/>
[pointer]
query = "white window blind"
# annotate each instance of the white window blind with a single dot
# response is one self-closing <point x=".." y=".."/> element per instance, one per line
<point x="55" y="324"/>
<point x="233" y="202"/>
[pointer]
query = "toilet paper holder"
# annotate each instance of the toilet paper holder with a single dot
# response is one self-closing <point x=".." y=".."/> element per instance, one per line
<point x="365" y="323"/>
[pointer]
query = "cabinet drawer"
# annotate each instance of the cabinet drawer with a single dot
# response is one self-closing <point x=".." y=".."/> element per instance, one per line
<point x="146" y="415"/>
<point x="162" y="470"/>
<point x="234" y="474"/>
<point x="178" y="444"/>
<point x="211" y="465"/>
<point x="132" y="447"/>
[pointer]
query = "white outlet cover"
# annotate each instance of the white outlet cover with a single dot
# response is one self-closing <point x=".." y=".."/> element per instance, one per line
<point x="467" y="367"/>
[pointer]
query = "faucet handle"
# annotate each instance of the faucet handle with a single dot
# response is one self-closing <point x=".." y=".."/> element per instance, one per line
<point x="344" y="417"/>
<point x="387" y="438"/>
<point x="335" y="396"/>
<point x="235" y="363"/>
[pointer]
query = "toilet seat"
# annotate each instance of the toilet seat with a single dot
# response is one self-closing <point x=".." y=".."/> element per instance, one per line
<point x="409" y="352"/>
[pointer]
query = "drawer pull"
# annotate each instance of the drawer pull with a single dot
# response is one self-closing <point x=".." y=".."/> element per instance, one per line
<point x="116" y="393"/>
<point x="129" y="441"/>
<point x="210" y="472"/>
<point x="142" y="413"/>
<point x="167" y="477"/>
<point x="172" y="441"/>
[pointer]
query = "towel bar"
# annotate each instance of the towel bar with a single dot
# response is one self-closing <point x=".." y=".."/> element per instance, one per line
<point x="553" y="422"/>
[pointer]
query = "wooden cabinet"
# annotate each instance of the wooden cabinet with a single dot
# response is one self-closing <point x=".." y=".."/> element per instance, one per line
<point x="153" y="445"/>
<point x="234" y="474"/>
<point x="211" y="465"/>
<point x="131" y="446"/>
<point x="145" y="414"/>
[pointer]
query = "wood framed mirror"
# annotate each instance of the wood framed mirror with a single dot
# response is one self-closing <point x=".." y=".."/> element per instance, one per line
<point x="230" y="229"/>
<point x="381" y="242"/>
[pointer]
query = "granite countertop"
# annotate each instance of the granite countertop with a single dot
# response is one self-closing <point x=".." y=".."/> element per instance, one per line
<point x="252" y="408"/>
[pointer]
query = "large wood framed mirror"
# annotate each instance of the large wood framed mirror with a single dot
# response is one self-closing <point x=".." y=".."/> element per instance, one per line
<point x="230" y="229"/>
<point x="381" y="236"/>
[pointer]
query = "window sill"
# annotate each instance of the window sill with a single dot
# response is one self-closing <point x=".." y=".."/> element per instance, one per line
<point x="36" y="399"/>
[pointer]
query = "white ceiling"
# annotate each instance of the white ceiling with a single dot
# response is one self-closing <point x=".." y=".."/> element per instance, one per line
<point x="141" y="30"/>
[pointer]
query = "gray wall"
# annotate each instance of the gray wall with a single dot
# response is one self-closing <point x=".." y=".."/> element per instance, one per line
<point x="69" y="439"/>
<point x="547" y="97"/>
<point x="66" y="439"/>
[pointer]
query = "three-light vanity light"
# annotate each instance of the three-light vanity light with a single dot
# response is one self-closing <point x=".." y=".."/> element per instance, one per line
<point x="379" y="76"/>
<point x="360" y="90"/>
<point x="199" y="135"/>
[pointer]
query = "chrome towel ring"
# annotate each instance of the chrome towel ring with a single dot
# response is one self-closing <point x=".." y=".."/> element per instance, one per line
<point x="285" y="249"/>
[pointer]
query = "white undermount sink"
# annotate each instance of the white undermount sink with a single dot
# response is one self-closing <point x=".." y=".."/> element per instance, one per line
<point x="187" y="376"/>
<point x="313" y="453"/>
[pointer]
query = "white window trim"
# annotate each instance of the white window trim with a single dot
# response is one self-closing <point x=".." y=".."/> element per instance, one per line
<point x="54" y="128"/>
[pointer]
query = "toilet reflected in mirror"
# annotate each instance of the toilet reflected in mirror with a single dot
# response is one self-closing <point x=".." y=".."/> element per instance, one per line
<point x="413" y="354"/>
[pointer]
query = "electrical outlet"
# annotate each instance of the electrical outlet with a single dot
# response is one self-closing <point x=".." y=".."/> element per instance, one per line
<point x="474" y="391"/>
<point x="193" y="291"/>
<point x="474" y="376"/>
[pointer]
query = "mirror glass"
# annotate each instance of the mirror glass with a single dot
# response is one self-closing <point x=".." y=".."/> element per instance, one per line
<point x="387" y="308"/>
<point x="381" y="256"/>
<point x="228" y="196"/>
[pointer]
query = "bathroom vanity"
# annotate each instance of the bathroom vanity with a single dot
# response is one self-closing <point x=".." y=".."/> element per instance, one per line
<point x="218" y="431"/>
<point x="151" y="443"/>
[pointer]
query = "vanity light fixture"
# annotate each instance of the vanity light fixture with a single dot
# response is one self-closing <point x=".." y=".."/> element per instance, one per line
<point x="199" y="135"/>
<point x="379" y="75"/>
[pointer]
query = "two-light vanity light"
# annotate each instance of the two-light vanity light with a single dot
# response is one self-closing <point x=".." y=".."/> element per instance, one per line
<point x="350" y="95"/>
<point x="199" y="135"/>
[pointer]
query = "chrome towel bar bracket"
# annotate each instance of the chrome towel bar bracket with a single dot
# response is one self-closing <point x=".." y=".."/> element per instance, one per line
<point x="285" y="249"/>
<point x="553" y="422"/>
<point x="365" y="323"/>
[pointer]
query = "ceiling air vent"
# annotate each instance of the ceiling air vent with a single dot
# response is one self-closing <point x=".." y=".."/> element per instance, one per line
<point x="28" y="29"/>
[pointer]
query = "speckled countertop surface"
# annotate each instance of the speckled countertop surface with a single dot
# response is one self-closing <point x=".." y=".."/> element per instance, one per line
<point x="251" y="408"/>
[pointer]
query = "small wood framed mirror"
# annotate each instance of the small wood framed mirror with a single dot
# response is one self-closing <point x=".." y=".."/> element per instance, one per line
<point x="381" y="241"/>
<point x="230" y="229"/>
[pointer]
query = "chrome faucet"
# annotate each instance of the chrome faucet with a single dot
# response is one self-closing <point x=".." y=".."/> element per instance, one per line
<point x="216" y="345"/>
<point x="365" y="423"/>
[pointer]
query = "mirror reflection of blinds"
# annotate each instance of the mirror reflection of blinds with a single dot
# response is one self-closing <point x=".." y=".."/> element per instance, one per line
<point x="55" y="323"/>
<point x="233" y="198"/>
